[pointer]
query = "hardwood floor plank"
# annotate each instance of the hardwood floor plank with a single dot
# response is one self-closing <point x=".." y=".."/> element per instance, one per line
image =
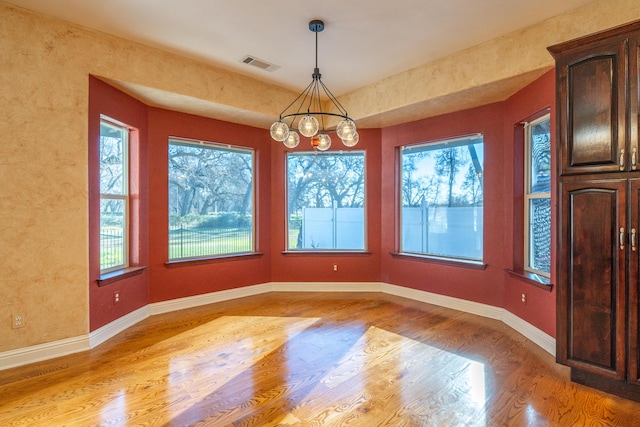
<point x="309" y="359"/>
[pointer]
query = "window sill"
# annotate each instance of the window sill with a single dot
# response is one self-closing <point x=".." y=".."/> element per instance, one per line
<point x="115" y="276"/>
<point x="532" y="279"/>
<point x="316" y="252"/>
<point x="464" y="263"/>
<point x="210" y="260"/>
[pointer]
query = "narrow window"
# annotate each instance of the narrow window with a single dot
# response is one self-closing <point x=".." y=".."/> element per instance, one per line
<point x="211" y="200"/>
<point x="537" y="197"/>
<point x="326" y="201"/>
<point x="114" y="196"/>
<point x="441" y="188"/>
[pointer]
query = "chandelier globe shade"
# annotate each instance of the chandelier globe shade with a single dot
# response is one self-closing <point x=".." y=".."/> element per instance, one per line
<point x="308" y="126"/>
<point x="351" y="140"/>
<point x="345" y="129"/>
<point x="324" y="142"/>
<point x="292" y="140"/>
<point x="279" y="131"/>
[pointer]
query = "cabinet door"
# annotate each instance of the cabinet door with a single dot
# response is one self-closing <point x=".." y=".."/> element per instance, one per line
<point x="592" y="101"/>
<point x="634" y="101"/>
<point x="591" y="277"/>
<point x="633" y="284"/>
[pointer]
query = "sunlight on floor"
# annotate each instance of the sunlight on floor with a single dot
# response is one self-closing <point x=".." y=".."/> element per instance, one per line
<point x="356" y="372"/>
<point x="218" y="363"/>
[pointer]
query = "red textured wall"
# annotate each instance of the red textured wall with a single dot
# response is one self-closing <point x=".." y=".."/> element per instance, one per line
<point x="299" y="267"/>
<point x="540" y="309"/>
<point x="188" y="280"/>
<point x="104" y="99"/>
<point x="484" y="286"/>
<point x="160" y="282"/>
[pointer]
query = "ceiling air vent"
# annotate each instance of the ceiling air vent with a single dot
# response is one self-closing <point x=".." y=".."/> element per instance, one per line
<point x="262" y="64"/>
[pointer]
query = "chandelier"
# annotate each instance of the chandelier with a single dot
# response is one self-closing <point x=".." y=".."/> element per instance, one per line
<point x="305" y="113"/>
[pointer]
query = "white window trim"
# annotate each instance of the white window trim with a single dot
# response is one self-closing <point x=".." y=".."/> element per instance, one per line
<point x="364" y="204"/>
<point x="124" y="196"/>
<point x="528" y="196"/>
<point x="197" y="143"/>
<point x="446" y="142"/>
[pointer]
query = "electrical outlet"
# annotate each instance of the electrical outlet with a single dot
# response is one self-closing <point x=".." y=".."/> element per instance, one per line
<point x="335" y="267"/>
<point x="116" y="297"/>
<point x="524" y="298"/>
<point x="18" y="321"/>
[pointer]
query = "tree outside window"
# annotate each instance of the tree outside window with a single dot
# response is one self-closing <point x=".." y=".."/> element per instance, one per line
<point x="326" y="201"/>
<point x="114" y="196"/>
<point x="211" y="200"/>
<point x="442" y="197"/>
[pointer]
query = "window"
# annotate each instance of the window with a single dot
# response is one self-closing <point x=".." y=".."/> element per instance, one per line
<point x="442" y="196"/>
<point x="537" y="197"/>
<point x="114" y="196"/>
<point x="211" y="200"/>
<point x="326" y="201"/>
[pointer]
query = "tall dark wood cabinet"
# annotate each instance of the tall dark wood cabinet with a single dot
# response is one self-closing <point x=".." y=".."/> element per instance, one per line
<point x="598" y="248"/>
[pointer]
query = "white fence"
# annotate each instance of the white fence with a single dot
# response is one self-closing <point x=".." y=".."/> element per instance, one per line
<point x="333" y="228"/>
<point x="441" y="230"/>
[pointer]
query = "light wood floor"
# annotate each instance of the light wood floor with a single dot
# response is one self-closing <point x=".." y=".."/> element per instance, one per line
<point x="309" y="360"/>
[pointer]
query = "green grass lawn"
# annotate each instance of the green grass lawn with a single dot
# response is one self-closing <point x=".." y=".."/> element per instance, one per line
<point x="188" y="243"/>
<point x="191" y="243"/>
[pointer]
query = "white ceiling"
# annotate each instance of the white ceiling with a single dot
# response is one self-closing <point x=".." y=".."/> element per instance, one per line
<point x="364" y="41"/>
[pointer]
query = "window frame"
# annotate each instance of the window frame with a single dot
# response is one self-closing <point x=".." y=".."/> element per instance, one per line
<point x="528" y="196"/>
<point x="125" y="196"/>
<point x="197" y="143"/>
<point x="442" y="259"/>
<point x="364" y="249"/>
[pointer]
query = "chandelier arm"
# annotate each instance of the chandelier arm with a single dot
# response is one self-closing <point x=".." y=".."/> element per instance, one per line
<point x="315" y="114"/>
<point x="305" y="93"/>
<point x="312" y="95"/>
<point x="318" y="102"/>
<point x="334" y="100"/>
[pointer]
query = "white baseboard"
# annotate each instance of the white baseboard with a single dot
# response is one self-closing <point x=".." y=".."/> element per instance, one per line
<point x="40" y="352"/>
<point x="533" y="334"/>
<point x="471" y="307"/>
<point x="204" y="299"/>
<point x="37" y="353"/>
<point x="325" y="287"/>
<point x="112" y="329"/>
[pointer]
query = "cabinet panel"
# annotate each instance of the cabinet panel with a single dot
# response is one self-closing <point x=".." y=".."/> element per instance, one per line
<point x="593" y="268"/>
<point x="593" y="96"/>
<point x="594" y="86"/>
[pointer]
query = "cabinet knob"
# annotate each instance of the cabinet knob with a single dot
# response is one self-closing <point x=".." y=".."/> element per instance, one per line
<point x="621" y="164"/>
<point x="633" y="158"/>
<point x="633" y="239"/>
<point x="621" y="238"/>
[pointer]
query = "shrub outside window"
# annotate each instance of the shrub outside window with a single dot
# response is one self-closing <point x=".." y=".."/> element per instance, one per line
<point x="441" y="189"/>
<point x="326" y="201"/>
<point x="114" y="196"/>
<point x="537" y="208"/>
<point x="211" y="200"/>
